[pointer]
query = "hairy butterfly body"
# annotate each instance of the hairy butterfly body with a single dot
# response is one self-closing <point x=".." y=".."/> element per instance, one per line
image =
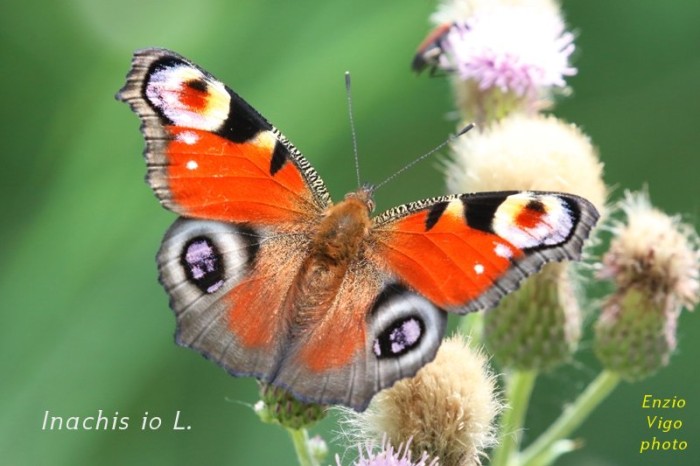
<point x="270" y="279"/>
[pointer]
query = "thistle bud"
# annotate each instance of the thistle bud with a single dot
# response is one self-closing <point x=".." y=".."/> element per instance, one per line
<point x="653" y="262"/>
<point x="278" y="405"/>
<point x="538" y="327"/>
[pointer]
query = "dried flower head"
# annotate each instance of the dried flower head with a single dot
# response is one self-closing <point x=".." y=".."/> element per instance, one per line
<point x="654" y="251"/>
<point x="535" y="152"/>
<point x="654" y="262"/>
<point x="447" y="409"/>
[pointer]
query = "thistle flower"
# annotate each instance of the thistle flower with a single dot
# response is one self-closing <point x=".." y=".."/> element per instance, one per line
<point x="507" y="56"/>
<point x="447" y="409"/>
<point x="387" y="456"/>
<point x="654" y="262"/>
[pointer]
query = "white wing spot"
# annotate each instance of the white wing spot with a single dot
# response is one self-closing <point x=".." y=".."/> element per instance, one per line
<point x="479" y="269"/>
<point x="192" y="165"/>
<point x="188" y="137"/>
<point x="502" y="250"/>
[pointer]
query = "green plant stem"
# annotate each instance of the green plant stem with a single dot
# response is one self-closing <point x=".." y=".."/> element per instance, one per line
<point x="518" y="389"/>
<point x="557" y="449"/>
<point x="300" y="438"/>
<point x="538" y="453"/>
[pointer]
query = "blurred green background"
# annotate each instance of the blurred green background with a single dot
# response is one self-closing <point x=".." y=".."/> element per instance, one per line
<point x="85" y="325"/>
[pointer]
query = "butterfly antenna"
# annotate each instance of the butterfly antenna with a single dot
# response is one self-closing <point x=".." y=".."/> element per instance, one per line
<point x="427" y="154"/>
<point x="352" y="126"/>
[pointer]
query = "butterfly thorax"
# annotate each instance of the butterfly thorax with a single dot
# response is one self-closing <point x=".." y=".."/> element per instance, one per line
<point x="336" y="244"/>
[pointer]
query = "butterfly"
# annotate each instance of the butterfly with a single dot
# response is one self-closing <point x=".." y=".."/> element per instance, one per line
<point x="269" y="278"/>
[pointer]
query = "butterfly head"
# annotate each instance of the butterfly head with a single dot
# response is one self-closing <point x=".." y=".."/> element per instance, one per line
<point x="363" y="195"/>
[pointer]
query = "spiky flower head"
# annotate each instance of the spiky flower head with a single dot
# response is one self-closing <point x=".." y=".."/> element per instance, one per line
<point x="506" y="56"/>
<point x="654" y="262"/>
<point x="278" y="405"/>
<point x="655" y="251"/>
<point x="388" y="456"/>
<point x="447" y="409"/>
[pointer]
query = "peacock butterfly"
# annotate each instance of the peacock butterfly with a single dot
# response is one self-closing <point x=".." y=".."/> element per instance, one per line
<point x="269" y="278"/>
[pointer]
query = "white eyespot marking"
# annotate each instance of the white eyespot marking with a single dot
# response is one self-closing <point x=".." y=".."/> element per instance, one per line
<point x="192" y="165"/>
<point x="188" y="137"/>
<point x="201" y="257"/>
<point x="529" y="220"/>
<point x="188" y="98"/>
<point x="403" y="326"/>
<point x="479" y="269"/>
<point x="501" y="250"/>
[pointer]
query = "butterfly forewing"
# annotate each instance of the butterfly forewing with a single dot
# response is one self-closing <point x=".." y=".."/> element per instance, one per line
<point x="465" y="252"/>
<point x="210" y="154"/>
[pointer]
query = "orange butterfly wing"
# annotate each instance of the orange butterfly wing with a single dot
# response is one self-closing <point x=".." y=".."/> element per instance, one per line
<point x="465" y="252"/>
<point x="210" y="154"/>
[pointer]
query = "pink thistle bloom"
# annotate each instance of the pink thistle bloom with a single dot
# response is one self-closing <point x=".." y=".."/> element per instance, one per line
<point x="387" y="456"/>
<point x="516" y="49"/>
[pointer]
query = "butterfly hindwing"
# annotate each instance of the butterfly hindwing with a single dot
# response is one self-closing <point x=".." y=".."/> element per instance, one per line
<point x="219" y="278"/>
<point x="375" y="333"/>
<point x="210" y="154"/>
<point x="465" y="252"/>
<point x="226" y="284"/>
